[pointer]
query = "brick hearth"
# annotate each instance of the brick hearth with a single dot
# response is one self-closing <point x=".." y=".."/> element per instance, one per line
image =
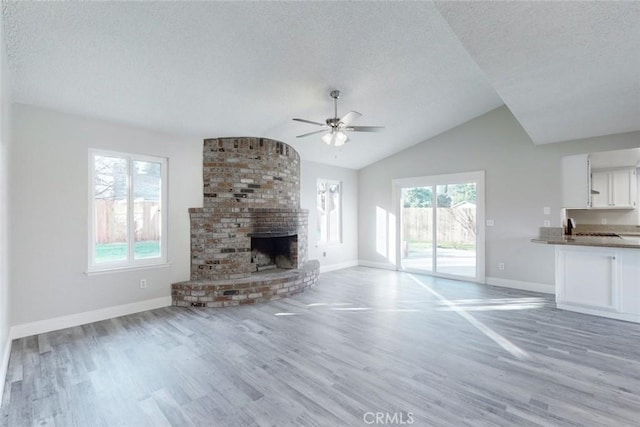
<point x="251" y="190"/>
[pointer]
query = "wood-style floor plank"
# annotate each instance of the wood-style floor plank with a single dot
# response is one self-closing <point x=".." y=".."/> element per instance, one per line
<point x="415" y="348"/>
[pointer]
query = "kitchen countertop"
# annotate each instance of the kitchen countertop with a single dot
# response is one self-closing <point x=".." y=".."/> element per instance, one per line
<point x="628" y="241"/>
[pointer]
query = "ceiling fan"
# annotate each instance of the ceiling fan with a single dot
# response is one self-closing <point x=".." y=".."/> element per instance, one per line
<point x="335" y="127"/>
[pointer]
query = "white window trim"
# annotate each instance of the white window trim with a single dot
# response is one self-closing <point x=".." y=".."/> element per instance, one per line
<point x="130" y="263"/>
<point x="97" y="272"/>
<point x="321" y="243"/>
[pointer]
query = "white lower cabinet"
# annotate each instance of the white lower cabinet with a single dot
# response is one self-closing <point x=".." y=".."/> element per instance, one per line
<point x="599" y="280"/>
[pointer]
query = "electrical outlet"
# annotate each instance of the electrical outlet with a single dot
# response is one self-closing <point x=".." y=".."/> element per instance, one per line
<point x="603" y="221"/>
<point x="143" y="283"/>
<point x="547" y="223"/>
<point x="490" y="223"/>
<point x="501" y="266"/>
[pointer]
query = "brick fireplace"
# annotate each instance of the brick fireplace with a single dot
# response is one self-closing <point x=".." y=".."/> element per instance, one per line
<point x="249" y="240"/>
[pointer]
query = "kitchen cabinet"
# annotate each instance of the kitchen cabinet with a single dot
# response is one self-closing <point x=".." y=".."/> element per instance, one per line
<point x="617" y="189"/>
<point x="588" y="278"/>
<point x="599" y="280"/>
<point x="576" y="182"/>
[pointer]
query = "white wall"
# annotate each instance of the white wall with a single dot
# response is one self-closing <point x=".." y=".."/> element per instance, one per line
<point x="49" y="220"/>
<point x="332" y="256"/>
<point x="5" y="134"/>
<point x="521" y="179"/>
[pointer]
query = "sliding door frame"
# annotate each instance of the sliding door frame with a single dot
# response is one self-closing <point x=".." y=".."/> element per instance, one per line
<point x="434" y="181"/>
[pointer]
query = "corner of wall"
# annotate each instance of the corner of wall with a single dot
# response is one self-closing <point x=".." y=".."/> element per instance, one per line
<point x="5" y="135"/>
<point x="4" y="365"/>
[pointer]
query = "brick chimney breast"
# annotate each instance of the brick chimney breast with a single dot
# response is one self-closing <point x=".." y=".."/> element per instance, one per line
<point x="251" y="191"/>
<point x="250" y="172"/>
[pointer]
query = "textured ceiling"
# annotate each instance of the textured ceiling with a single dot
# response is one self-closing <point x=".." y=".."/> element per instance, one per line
<point x="566" y="70"/>
<point x="212" y="69"/>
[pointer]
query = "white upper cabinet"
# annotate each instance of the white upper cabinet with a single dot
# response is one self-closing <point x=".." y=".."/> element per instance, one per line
<point x="617" y="189"/>
<point x="624" y="188"/>
<point x="576" y="181"/>
<point x="600" y="186"/>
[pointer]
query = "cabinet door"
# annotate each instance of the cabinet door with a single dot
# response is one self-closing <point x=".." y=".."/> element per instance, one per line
<point x="588" y="277"/>
<point x="600" y="183"/>
<point x="622" y="193"/>
<point x="575" y="181"/>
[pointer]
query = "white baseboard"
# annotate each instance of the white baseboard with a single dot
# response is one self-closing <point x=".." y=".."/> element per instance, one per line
<point x="42" y="326"/>
<point x="4" y="365"/>
<point x="338" y="266"/>
<point x="518" y="284"/>
<point x="382" y="265"/>
<point x="628" y="317"/>
<point x="495" y="281"/>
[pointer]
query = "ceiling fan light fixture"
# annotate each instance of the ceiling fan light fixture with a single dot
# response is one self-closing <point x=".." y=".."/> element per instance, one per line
<point x="336" y="138"/>
<point x="340" y="138"/>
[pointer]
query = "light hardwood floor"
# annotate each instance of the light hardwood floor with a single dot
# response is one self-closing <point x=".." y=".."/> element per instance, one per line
<point x="416" y="349"/>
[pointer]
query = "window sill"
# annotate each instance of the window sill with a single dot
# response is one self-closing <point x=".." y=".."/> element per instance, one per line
<point x="109" y="270"/>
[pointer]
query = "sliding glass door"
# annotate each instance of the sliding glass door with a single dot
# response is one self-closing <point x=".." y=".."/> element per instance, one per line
<point x="438" y="225"/>
<point x="417" y="228"/>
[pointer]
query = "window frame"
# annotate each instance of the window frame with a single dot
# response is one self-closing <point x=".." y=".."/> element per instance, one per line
<point x="130" y="262"/>
<point x="327" y="242"/>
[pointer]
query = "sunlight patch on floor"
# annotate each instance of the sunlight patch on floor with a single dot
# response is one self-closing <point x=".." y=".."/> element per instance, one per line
<point x="503" y="342"/>
<point x="499" y="304"/>
<point x="324" y="304"/>
<point x="542" y="301"/>
<point x="494" y="304"/>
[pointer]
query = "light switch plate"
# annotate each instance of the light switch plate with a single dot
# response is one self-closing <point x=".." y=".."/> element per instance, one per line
<point x="546" y="210"/>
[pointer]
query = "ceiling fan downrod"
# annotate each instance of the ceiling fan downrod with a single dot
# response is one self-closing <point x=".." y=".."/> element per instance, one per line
<point x="335" y="94"/>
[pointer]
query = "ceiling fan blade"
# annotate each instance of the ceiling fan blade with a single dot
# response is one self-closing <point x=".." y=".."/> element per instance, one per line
<point x="310" y="133"/>
<point x="350" y="117"/>
<point x="365" y="128"/>
<point x="310" y="122"/>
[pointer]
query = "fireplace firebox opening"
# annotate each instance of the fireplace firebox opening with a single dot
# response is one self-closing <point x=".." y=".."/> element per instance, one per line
<point x="274" y="252"/>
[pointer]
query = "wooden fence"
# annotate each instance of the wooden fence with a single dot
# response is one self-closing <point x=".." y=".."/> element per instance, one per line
<point x="454" y="224"/>
<point x="111" y="224"/>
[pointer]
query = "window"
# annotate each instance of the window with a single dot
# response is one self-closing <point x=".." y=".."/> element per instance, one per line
<point x="128" y="221"/>
<point x="329" y="203"/>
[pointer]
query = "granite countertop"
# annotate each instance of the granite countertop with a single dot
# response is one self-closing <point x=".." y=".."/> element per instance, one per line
<point x="630" y="241"/>
<point x="629" y="236"/>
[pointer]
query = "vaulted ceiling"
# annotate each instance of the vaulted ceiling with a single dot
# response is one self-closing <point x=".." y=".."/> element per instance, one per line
<point x="566" y="70"/>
